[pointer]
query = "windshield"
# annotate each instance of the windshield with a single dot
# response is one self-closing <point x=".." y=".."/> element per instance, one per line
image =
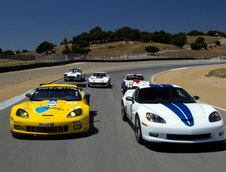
<point x="99" y="74"/>
<point x="56" y="93"/>
<point x="164" y="95"/>
<point x="133" y="77"/>
<point x="75" y="70"/>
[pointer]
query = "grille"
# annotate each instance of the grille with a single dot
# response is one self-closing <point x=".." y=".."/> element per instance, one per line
<point x="74" y="77"/>
<point x="47" y="129"/>
<point x="98" y="84"/>
<point x="188" y="137"/>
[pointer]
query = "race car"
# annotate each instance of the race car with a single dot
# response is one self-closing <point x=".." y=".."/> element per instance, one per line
<point x="167" y="113"/>
<point x="53" y="109"/>
<point x="132" y="81"/>
<point x="75" y="74"/>
<point x="99" y="79"/>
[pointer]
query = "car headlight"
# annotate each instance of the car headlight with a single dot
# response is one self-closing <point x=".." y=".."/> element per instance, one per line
<point x="75" y="113"/>
<point x="22" y="113"/>
<point x="214" y="117"/>
<point x="154" y="118"/>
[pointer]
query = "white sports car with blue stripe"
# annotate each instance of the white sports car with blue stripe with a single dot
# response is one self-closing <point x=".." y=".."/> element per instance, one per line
<point x="167" y="113"/>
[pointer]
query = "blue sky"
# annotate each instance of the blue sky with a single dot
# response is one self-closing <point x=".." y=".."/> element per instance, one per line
<point x="27" y="23"/>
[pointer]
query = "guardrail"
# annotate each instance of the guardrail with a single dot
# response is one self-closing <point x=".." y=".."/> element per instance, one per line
<point x="56" y="57"/>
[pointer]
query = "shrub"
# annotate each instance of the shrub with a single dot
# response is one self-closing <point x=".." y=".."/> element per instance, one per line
<point x="218" y="43"/>
<point x="151" y="49"/>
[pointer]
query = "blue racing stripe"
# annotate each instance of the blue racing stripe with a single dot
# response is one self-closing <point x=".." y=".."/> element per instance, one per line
<point x="155" y="86"/>
<point x="182" y="112"/>
<point x="166" y="85"/>
<point x="161" y="86"/>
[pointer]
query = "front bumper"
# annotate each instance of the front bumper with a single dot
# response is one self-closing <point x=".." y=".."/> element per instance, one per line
<point x="99" y="84"/>
<point x="73" y="78"/>
<point x="49" y="128"/>
<point x="177" y="134"/>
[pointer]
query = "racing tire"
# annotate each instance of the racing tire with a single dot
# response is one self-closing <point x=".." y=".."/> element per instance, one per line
<point x="123" y="112"/>
<point x="138" y="132"/>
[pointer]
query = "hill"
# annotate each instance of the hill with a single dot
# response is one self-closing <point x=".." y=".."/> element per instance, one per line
<point x="134" y="48"/>
<point x="126" y="48"/>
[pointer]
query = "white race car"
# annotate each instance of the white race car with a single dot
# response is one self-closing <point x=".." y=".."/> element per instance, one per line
<point x="132" y="81"/>
<point x="75" y="74"/>
<point x="99" y="79"/>
<point x="167" y="113"/>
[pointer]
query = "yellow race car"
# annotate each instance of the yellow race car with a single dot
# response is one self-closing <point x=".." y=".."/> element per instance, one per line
<point x="53" y="109"/>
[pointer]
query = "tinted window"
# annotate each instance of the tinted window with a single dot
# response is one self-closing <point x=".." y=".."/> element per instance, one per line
<point x="56" y="93"/>
<point x="100" y="74"/>
<point x="164" y="95"/>
<point x="132" y="77"/>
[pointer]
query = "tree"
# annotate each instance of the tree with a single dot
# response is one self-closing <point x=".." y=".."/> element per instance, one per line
<point x="64" y="42"/>
<point x="218" y="43"/>
<point x="195" y="46"/>
<point x="195" y="33"/>
<point x="152" y="49"/>
<point x="66" y="50"/>
<point x="126" y="33"/>
<point x="161" y="37"/>
<point x="45" y="47"/>
<point x="199" y="44"/>
<point x="97" y="34"/>
<point x="78" y="50"/>
<point x="83" y="39"/>
<point x="179" y="39"/>
<point x="215" y="33"/>
<point x="8" y="52"/>
<point x="1" y="51"/>
<point x="145" y="37"/>
<point x="96" y="29"/>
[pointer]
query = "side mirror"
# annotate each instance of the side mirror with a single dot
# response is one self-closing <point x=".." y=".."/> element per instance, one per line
<point x="196" y="97"/>
<point x="28" y="95"/>
<point x="130" y="99"/>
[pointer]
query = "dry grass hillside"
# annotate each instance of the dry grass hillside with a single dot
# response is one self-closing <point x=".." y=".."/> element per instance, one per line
<point x="210" y="52"/>
<point x="133" y="48"/>
<point x="123" y="48"/>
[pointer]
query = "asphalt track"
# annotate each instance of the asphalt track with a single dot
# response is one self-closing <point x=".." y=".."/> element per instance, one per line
<point x="110" y="146"/>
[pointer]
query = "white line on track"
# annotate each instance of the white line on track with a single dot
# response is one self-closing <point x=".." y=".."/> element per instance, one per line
<point x="13" y="100"/>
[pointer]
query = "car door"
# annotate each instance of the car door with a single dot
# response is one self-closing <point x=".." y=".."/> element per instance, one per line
<point x="128" y="108"/>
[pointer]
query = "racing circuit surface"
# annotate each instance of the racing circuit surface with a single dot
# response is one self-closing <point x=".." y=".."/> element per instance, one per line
<point x="111" y="144"/>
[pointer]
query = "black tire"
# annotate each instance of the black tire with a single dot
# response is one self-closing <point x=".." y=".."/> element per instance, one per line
<point x="87" y="98"/>
<point x="123" y="112"/>
<point x="138" y="132"/>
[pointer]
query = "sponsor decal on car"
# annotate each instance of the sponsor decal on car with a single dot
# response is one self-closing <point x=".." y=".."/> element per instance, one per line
<point x="42" y="109"/>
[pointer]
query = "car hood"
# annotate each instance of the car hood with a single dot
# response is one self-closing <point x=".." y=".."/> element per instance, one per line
<point x="99" y="78"/>
<point x="51" y="108"/>
<point x="73" y="73"/>
<point x="135" y="82"/>
<point x="182" y="110"/>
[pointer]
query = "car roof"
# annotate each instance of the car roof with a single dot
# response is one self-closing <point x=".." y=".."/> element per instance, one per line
<point x="158" y="86"/>
<point x="58" y="85"/>
<point x="101" y="72"/>
<point x="134" y="74"/>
